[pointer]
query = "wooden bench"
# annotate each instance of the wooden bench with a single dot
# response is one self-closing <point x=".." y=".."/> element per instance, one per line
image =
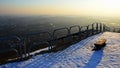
<point x="99" y="44"/>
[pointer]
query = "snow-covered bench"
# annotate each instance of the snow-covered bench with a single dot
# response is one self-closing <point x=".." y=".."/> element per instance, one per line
<point x="99" y="44"/>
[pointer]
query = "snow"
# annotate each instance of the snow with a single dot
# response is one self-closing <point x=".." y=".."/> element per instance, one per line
<point x="78" y="55"/>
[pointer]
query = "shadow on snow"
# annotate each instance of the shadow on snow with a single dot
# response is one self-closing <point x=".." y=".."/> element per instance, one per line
<point x="95" y="59"/>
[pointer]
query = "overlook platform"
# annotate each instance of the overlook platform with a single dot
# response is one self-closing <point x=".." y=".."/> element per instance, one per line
<point x="78" y="55"/>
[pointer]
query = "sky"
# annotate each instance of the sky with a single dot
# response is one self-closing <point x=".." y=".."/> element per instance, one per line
<point x="61" y="7"/>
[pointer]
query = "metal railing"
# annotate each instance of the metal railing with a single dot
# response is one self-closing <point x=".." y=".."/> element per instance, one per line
<point x="34" y="41"/>
<point x="38" y="39"/>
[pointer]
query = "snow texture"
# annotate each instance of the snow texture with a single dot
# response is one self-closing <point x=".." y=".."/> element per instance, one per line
<point x="79" y="55"/>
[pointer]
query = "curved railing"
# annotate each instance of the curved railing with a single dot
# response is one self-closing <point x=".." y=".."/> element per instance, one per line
<point x="34" y="40"/>
<point x="59" y="38"/>
<point x="60" y="34"/>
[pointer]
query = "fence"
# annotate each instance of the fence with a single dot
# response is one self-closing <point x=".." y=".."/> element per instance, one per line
<point x="59" y="39"/>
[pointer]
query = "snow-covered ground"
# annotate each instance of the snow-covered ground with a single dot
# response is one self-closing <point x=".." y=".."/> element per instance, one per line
<point x="78" y="55"/>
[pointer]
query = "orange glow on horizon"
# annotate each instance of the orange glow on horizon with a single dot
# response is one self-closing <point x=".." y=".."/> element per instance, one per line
<point x="44" y="11"/>
<point x="64" y="7"/>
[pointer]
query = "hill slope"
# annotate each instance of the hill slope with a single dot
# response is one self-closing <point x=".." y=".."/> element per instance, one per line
<point x="78" y="55"/>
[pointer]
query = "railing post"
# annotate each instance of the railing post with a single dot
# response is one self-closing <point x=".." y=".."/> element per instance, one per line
<point x="24" y="47"/>
<point x="80" y="33"/>
<point x="92" y="28"/>
<point x="69" y="39"/>
<point x="100" y="27"/>
<point x="97" y="27"/>
<point x="87" y="30"/>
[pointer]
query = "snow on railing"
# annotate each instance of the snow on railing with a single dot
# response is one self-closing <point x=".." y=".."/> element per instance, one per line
<point x="55" y="41"/>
